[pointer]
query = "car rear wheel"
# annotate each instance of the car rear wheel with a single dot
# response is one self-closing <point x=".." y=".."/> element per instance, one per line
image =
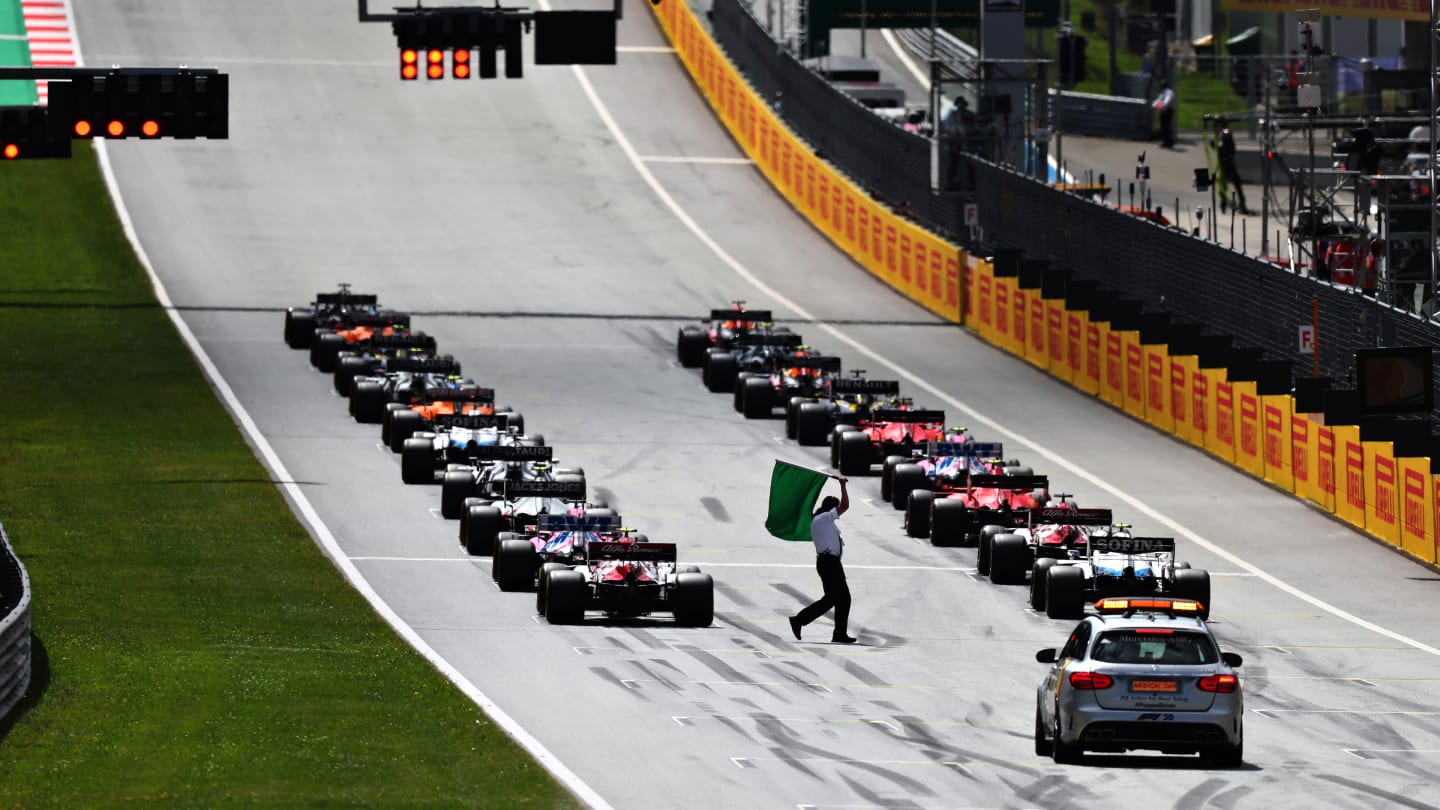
<point x="346" y="370"/>
<point x="854" y="453"/>
<point x="542" y="584"/>
<point x="480" y="530"/>
<point x="812" y="422"/>
<point x="299" y="329"/>
<point x="1009" y="555"/>
<point x="948" y="522"/>
<point x="719" y="373"/>
<point x="1038" y="572"/>
<point x="694" y="600"/>
<point x="984" y="547"/>
<point x="1194" y="583"/>
<point x="758" y="398"/>
<point x="565" y="597"/>
<point x="367" y="401"/>
<point x="514" y="565"/>
<point x="454" y="489"/>
<point x="403" y="425"/>
<point x="1065" y="593"/>
<point x="417" y="461"/>
<point x="917" y="513"/>
<point x="906" y="478"/>
<point x="690" y="345"/>
<point x="325" y="350"/>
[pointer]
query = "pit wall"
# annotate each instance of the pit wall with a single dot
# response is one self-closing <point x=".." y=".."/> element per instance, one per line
<point x="1363" y="483"/>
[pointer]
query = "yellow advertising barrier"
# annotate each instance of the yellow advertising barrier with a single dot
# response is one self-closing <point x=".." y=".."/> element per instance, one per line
<point x="1004" y="311"/>
<point x="1326" y="466"/>
<point x="985" y="302"/>
<point x="912" y="260"/>
<point x="1350" y="475"/>
<point x="1077" y="339"/>
<point x="1417" y="508"/>
<point x="1219" y="414"/>
<point x="1275" y="412"/>
<point x="1305" y="458"/>
<point x="1055" y="338"/>
<point x="970" y="316"/>
<point x="1019" y="317"/>
<point x="1134" y="371"/>
<point x="1112" y="366"/>
<point x="1183" y="368"/>
<point x="1249" y="452"/>
<point x="1036" y="351"/>
<point x="1382" y="517"/>
<point x="1157" y="386"/>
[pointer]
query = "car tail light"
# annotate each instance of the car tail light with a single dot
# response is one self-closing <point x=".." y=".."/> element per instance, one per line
<point x="1219" y="683"/>
<point x="1090" y="680"/>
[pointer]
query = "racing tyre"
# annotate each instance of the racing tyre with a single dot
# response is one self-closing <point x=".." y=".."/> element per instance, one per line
<point x="792" y="409"/>
<point x="984" y="546"/>
<point x="542" y="584"/>
<point x="1009" y="557"/>
<point x="403" y="425"/>
<point x="480" y="530"/>
<point x="854" y="453"/>
<point x="1042" y="745"/>
<point x="565" y="597"/>
<point x="455" y="487"/>
<point x="690" y="345"/>
<point x="514" y="565"/>
<point x="737" y="393"/>
<point x="694" y="600"/>
<point x="347" y="368"/>
<point x="720" y="371"/>
<point x="500" y="541"/>
<point x="906" y="479"/>
<point x="1065" y="593"/>
<point x="887" y="476"/>
<point x="299" y="328"/>
<point x="917" y="514"/>
<point x="516" y="420"/>
<point x="325" y="350"/>
<point x="948" y="521"/>
<point x="812" y="421"/>
<point x="835" y="434"/>
<point x="367" y="401"/>
<point x="1038" y="571"/>
<point x="758" y="399"/>
<point x="417" y="461"/>
<point x="1194" y="584"/>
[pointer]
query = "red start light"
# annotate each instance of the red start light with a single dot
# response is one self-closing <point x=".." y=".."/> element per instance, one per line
<point x="116" y="129"/>
<point x="435" y="71"/>
<point x="83" y="129"/>
<point x="409" y="72"/>
<point x="409" y="56"/>
<point x="11" y="151"/>
<point x="150" y="128"/>
<point x="1090" y="680"/>
<point x="435" y="56"/>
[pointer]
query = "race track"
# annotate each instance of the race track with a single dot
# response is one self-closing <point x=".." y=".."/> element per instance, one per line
<point x="515" y="207"/>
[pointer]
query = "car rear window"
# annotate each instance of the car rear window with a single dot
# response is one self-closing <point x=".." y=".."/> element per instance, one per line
<point x="1156" y="646"/>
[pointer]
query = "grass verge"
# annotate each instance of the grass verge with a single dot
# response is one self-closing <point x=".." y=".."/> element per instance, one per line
<point x="193" y="644"/>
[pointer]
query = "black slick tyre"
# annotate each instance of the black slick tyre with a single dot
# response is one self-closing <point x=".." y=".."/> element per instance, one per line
<point x="1194" y="583"/>
<point x="690" y="345"/>
<point x="719" y="373"/>
<point x="948" y="521"/>
<point x="514" y="565"/>
<point x="347" y="368"/>
<point x="565" y="596"/>
<point x="325" y="350"/>
<point x="1065" y="593"/>
<point x="1009" y="557"/>
<point x="480" y="530"/>
<point x="917" y="513"/>
<point x="417" y="461"/>
<point x="299" y="328"/>
<point x="455" y="487"/>
<point x="403" y="425"/>
<point x="1038" y="572"/>
<point x="542" y="584"/>
<point x="757" y="400"/>
<point x="812" y="423"/>
<point x="367" y="401"/>
<point x="905" y="479"/>
<point x="694" y="600"/>
<point x="854" y="453"/>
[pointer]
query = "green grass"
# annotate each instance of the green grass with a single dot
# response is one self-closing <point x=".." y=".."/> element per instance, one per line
<point x="194" y="647"/>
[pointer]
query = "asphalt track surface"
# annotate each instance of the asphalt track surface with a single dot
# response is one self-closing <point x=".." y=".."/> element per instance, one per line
<point x="514" y="205"/>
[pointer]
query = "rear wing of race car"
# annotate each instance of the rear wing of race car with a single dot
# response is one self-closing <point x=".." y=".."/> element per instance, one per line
<point x="406" y="341"/>
<point x="599" y="524"/>
<point x="564" y="490"/>
<point x="1011" y="482"/>
<point x="1073" y="517"/>
<point x="909" y="417"/>
<point x="510" y="452"/>
<point x="424" y="365"/>
<point x="469" y="393"/>
<point x="965" y="449"/>
<point x="498" y="421"/>
<point x="787" y="340"/>
<point x="1132" y="545"/>
<point x="878" y="388"/>
<point x="379" y="319"/>
<point x="631" y="552"/>
<point x="742" y="315"/>
<point x="831" y="364"/>
<point x="346" y="299"/>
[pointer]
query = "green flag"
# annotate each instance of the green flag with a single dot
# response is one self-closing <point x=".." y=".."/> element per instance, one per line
<point x="793" y="491"/>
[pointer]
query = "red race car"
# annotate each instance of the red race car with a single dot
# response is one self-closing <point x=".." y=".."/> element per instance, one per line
<point x="723" y="327"/>
<point x="854" y="449"/>
<point x="953" y="514"/>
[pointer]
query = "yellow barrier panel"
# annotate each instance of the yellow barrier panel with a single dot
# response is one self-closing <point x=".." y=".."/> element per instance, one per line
<point x="985" y="302"/>
<point x="1305" y="458"/>
<point x="1327" y="464"/>
<point x="1219" y="414"/>
<point x="1078" y="330"/>
<point x="1350" y="471"/>
<point x="970" y="316"/>
<point x="1417" y="510"/>
<point x="1134" y="371"/>
<point x="1249" y="453"/>
<point x="1183" y="368"/>
<point x="1037" y="350"/>
<point x="1055" y="338"/>
<point x="1004" y="309"/>
<point x="1381" y="495"/>
<point x="1275" y="411"/>
<point x="1157" y="386"/>
<point x="914" y="261"/>
<point x="1020" y="317"/>
<point x="1112" y="366"/>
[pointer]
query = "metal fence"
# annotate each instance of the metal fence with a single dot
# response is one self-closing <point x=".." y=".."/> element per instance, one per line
<point x="14" y="627"/>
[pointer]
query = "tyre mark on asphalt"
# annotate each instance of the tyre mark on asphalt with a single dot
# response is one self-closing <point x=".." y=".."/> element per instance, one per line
<point x="716" y="509"/>
<point x="1395" y="799"/>
<point x="1196" y="797"/>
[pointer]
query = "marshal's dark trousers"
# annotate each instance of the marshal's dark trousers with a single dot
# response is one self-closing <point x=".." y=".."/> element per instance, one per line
<point x="837" y="594"/>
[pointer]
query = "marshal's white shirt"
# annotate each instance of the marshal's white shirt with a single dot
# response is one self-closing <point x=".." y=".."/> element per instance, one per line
<point x="825" y="534"/>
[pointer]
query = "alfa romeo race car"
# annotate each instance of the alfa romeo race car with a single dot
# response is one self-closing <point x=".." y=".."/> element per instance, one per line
<point x="627" y="578"/>
<point x="809" y="420"/>
<point x="953" y="515"/>
<point x="691" y="342"/>
<point x="1143" y="673"/>
<point x="378" y="357"/>
<point x="1116" y="563"/>
<point x="802" y="374"/>
<point x="948" y="461"/>
<point x="854" y="450"/>
<point x="484" y="520"/>
<point x="749" y="352"/>
<point x="326" y="310"/>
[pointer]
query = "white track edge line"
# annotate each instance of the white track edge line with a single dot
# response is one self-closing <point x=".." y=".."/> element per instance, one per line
<point x="741" y="270"/>
<point x="508" y="724"/>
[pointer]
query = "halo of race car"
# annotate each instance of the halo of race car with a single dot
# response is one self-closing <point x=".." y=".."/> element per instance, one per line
<point x="512" y="503"/>
<point x="1155" y="682"/>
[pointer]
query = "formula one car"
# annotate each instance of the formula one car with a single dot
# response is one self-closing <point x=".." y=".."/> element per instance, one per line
<point x="455" y="440"/>
<point x="949" y="461"/>
<point x="854" y="450"/>
<point x="355" y="333"/>
<point x="377" y="357"/>
<point x="801" y="374"/>
<point x="554" y="540"/>
<point x="750" y="352"/>
<point x="1144" y="673"/>
<point x="455" y="397"/>
<point x="401" y="380"/>
<point x="326" y="310"/>
<point x="482" y="472"/>
<point x="954" y="514"/>
<point x="1117" y="563"/>
<point x="626" y="579"/>
<point x="809" y="420"/>
<point x="1007" y="552"/>
<point x="483" y="520"/>
<point x="724" y="326"/>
